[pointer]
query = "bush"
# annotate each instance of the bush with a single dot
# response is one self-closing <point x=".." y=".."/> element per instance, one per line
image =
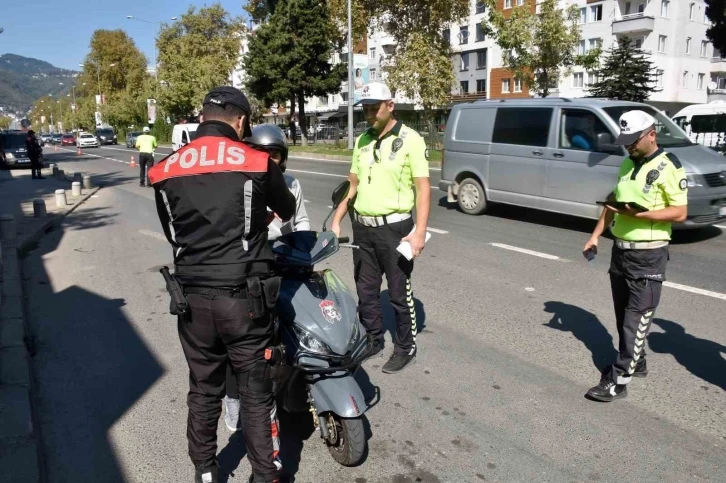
<point x="162" y="131"/>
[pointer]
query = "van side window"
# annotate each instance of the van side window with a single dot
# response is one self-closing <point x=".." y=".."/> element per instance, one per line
<point x="708" y="123"/>
<point x="185" y="139"/>
<point x="579" y="129"/>
<point x="528" y="126"/>
<point x="681" y="121"/>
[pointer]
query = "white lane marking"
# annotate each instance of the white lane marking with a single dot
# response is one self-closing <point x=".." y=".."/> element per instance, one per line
<point x="695" y="290"/>
<point x="524" y="250"/>
<point x="153" y="234"/>
<point x="335" y="161"/>
<point x="96" y="156"/>
<point x="318" y="173"/>
<point x="132" y="151"/>
<point x="436" y="230"/>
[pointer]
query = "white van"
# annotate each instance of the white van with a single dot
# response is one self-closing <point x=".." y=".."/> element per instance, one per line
<point x="183" y="134"/>
<point x="704" y="123"/>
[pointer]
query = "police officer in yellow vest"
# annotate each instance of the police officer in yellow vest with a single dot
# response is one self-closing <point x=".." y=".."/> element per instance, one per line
<point x="389" y="160"/>
<point x="652" y="180"/>
<point x="146" y="144"/>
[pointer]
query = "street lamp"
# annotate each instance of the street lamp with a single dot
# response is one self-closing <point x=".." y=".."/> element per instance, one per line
<point x="158" y="31"/>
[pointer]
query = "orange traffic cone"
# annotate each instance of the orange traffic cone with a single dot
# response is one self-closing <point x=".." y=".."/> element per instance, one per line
<point x="78" y="152"/>
<point x="132" y="164"/>
<point x="56" y="148"/>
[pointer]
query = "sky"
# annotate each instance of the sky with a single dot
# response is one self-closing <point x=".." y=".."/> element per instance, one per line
<point x="60" y="32"/>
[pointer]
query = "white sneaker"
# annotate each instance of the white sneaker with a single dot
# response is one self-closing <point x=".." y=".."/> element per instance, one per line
<point x="231" y="413"/>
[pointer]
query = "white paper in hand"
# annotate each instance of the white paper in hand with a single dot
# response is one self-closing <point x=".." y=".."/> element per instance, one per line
<point x="405" y="247"/>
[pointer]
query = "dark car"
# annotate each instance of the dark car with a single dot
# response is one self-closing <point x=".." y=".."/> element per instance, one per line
<point x="106" y="136"/>
<point x="56" y="138"/>
<point x="131" y="138"/>
<point x="68" y="140"/>
<point x="14" y="153"/>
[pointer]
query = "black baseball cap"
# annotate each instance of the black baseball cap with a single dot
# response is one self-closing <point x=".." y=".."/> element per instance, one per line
<point x="224" y="95"/>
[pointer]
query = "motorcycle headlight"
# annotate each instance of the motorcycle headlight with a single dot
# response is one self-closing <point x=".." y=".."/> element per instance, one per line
<point x="694" y="180"/>
<point x="309" y="342"/>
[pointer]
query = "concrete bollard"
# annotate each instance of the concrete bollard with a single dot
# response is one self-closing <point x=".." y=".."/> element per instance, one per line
<point x="8" y="230"/>
<point x="60" y="198"/>
<point x="76" y="188"/>
<point x="87" y="183"/>
<point x="39" y="210"/>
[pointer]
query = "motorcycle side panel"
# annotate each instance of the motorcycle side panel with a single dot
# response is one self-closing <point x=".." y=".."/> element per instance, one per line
<point x="339" y="395"/>
<point x="327" y="310"/>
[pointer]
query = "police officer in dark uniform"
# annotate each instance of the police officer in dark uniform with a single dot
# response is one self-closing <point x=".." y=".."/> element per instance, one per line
<point x="653" y="191"/>
<point x="35" y="153"/>
<point x="212" y="197"/>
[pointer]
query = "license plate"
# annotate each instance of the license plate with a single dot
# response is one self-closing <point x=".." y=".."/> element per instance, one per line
<point x="722" y="211"/>
<point x="23" y="160"/>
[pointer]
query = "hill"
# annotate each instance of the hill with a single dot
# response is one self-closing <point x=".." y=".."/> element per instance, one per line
<point x="23" y="80"/>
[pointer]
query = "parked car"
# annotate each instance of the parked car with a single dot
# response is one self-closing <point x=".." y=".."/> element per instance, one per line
<point x="46" y="137"/>
<point x="87" y="140"/>
<point x="131" y="138"/>
<point x="68" y="140"/>
<point x="106" y="136"/>
<point x="56" y="138"/>
<point x="13" y="151"/>
<point x="522" y="152"/>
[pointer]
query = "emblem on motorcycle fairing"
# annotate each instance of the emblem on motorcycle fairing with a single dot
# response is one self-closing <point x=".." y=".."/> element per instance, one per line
<point x="653" y="175"/>
<point x="330" y="311"/>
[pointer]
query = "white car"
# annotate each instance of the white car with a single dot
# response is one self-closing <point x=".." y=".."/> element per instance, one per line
<point x="87" y="140"/>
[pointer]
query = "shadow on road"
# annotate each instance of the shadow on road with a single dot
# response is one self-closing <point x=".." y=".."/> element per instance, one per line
<point x="586" y="328"/>
<point x="685" y="237"/>
<point x="701" y="357"/>
<point x="90" y="366"/>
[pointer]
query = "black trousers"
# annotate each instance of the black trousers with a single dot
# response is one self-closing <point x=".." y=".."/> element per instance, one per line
<point x="636" y="280"/>
<point x="36" y="165"/>
<point x="146" y="161"/>
<point x="377" y="256"/>
<point x="221" y="331"/>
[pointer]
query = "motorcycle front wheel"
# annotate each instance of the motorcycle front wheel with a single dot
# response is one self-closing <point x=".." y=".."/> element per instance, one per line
<point x="346" y="442"/>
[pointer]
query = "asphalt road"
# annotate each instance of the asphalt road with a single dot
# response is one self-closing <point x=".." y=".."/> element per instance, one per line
<point x="509" y="343"/>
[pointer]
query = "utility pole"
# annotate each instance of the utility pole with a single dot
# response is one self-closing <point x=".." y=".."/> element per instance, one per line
<point x="350" y="76"/>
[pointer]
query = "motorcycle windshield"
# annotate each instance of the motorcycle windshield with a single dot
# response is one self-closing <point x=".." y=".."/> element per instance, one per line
<point x="304" y="248"/>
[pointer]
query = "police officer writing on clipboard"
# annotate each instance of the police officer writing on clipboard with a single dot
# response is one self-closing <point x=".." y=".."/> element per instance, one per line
<point x="652" y="193"/>
<point x="212" y="197"/>
<point x="389" y="160"/>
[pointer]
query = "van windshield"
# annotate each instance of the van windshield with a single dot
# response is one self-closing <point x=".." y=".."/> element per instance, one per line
<point x="668" y="134"/>
<point x="13" y="141"/>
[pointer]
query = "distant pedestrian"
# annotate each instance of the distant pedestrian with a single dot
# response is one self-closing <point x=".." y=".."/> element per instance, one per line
<point x="35" y="153"/>
<point x="146" y="144"/>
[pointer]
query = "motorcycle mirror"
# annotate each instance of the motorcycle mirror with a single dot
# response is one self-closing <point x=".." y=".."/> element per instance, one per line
<point x="340" y="193"/>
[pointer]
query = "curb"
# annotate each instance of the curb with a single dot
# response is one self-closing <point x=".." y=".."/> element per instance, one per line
<point x="20" y="447"/>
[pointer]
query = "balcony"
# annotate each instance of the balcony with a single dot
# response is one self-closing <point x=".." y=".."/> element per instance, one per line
<point x="634" y="22"/>
<point x="718" y="64"/>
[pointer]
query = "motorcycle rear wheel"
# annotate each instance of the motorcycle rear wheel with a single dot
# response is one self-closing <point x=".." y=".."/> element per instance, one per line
<point x="347" y="444"/>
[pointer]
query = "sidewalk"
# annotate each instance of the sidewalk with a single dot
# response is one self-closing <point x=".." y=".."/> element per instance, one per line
<point x="19" y="445"/>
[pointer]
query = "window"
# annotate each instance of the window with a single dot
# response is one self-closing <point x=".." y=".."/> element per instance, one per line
<point x="481" y="6"/>
<point x="638" y="42"/>
<point x="526" y="126"/>
<point x="577" y="80"/>
<point x="701" y="77"/>
<point x="688" y="45"/>
<point x="507" y="3"/>
<point x="627" y="8"/>
<point x="373" y="53"/>
<point x="464" y="87"/>
<point x="668" y="135"/>
<point x="373" y="74"/>
<point x="517" y="85"/>
<point x="520" y="3"/>
<point x="641" y="7"/>
<point x="463" y="34"/>
<point x="505" y="86"/>
<point x="465" y="61"/>
<point x="446" y="34"/>
<point x="591" y="78"/>
<point x="704" y="48"/>
<point x="593" y="44"/>
<point x="481" y="85"/>
<point x="659" y="78"/>
<point x="596" y="13"/>
<point x="481" y="59"/>
<point x="480" y="37"/>
<point x="662" y="43"/>
<point x="581" y="48"/>
<point x="685" y="79"/>
<point x="691" y="11"/>
<point x="708" y="123"/>
<point x="583" y="16"/>
<point x="579" y="130"/>
<point x="664" y="8"/>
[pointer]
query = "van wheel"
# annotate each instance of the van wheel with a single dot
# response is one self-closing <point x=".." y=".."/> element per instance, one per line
<point x="471" y="197"/>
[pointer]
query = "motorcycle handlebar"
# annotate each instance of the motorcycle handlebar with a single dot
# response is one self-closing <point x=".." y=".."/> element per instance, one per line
<point x="343" y="239"/>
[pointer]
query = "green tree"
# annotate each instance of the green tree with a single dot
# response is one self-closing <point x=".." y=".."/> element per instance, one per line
<point x="539" y="47"/>
<point x="5" y="122"/>
<point x="290" y="56"/>
<point x="196" y="53"/>
<point x="626" y="74"/>
<point x="716" y="12"/>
